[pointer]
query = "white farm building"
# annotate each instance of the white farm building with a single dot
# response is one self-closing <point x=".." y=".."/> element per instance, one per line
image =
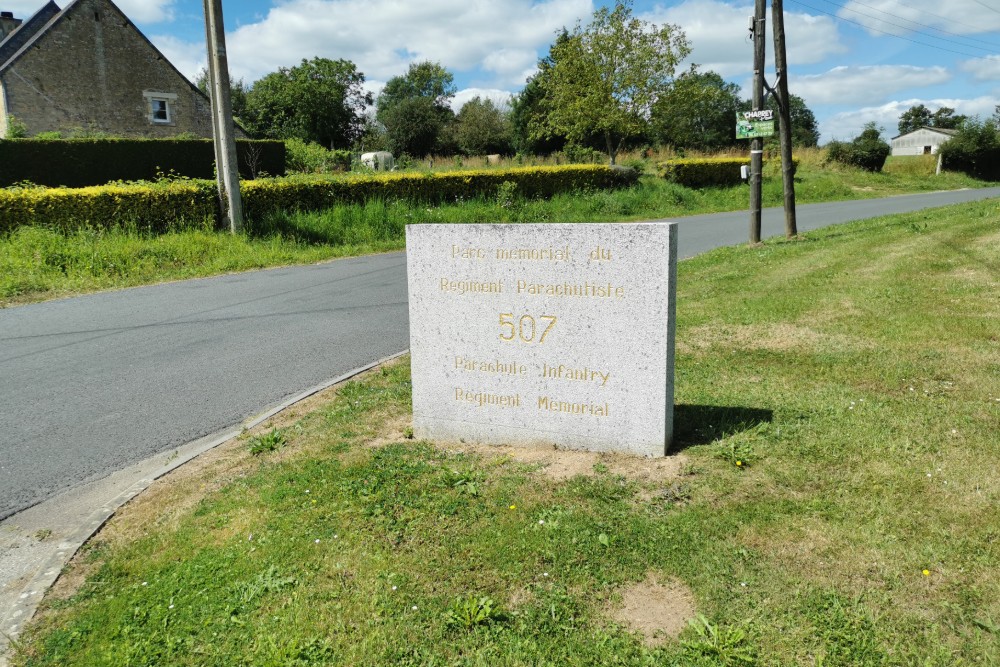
<point x="922" y="141"/>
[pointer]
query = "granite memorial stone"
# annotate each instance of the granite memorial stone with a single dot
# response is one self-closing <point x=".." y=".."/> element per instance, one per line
<point x="550" y="334"/>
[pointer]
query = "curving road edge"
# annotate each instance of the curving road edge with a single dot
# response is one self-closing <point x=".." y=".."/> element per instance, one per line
<point x="44" y="560"/>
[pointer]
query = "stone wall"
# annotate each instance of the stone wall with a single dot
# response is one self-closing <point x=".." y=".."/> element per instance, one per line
<point x="93" y="70"/>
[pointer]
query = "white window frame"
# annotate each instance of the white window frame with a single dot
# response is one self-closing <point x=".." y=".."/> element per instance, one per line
<point x="168" y="99"/>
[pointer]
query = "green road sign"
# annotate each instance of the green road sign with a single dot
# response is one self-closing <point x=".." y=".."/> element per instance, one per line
<point x="752" y="129"/>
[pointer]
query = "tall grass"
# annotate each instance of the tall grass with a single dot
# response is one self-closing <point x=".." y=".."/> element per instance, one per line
<point x="37" y="263"/>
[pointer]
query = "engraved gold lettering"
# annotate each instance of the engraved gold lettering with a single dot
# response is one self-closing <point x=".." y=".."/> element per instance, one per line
<point x="525" y="329"/>
<point x="471" y="286"/>
<point x="566" y="407"/>
<point x="491" y="367"/>
<point x="534" y="254"/>
<point x="467" y="253"/>
<point x="599" y="254"/>
<point x="575" y="373"/>
<point x="579" y="290"/>
<point x="482" y="399"/>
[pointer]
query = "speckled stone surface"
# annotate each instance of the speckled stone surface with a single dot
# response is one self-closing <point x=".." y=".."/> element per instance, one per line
<point x="551" y="334"/>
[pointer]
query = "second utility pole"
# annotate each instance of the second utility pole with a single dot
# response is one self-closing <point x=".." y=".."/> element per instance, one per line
<point x="228" y="179"/>
<point x="784" y="117"/>
<point x="757" y="145"/>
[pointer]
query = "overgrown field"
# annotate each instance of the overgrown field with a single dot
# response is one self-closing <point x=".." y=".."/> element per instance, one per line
<point x="831" y="500"/>
<point x="39" y="263"/>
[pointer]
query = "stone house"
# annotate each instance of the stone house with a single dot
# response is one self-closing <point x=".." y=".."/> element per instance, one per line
<point x="922" y="141"/>
<point x="88" y="67"/>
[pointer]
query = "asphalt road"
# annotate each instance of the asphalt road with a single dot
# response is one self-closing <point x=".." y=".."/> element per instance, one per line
<point x="93" y="384"/>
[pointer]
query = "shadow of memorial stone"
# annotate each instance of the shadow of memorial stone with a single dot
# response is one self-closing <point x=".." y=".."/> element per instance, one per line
<point x="704" y="424"/>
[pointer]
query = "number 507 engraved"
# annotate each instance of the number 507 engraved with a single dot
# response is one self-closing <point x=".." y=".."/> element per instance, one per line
<point x="525" y="328"/>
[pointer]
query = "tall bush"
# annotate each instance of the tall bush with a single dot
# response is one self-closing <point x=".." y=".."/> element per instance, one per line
<point x="975" y="150"/>
<point x="867" y="151"/>
<point x="311" y="158"/>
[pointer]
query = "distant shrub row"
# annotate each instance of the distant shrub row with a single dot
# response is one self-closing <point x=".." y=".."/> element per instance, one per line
<point x="705" y="172"/>
<point x="84" y="162"/>
<point x="162" y="206"/>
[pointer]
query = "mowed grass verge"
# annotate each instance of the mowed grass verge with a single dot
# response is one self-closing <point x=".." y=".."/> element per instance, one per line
<point x="833" y="501"/>
<point x="38" y="263"/>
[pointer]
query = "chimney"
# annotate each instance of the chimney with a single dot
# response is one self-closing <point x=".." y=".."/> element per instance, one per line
<point x="8" y="24"/>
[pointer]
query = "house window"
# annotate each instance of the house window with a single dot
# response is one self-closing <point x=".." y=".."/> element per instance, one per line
<point x="159" y="107"/>
<point x="160" y="110"/>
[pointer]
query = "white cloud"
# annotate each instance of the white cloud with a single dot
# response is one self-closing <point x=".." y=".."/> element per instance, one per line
<point x="498" y="40"/>
<point x="983" y="69"/>
<point x="720" y="41"/>
<point x="501" y="98"/>
<point x="147" y="11"/>
<point x="139" y="11"/>
<point x="22" y="9"/>
<point x="190" y="59"/>
<point x="964" y="17"/>
<point x="847" y="125"/>
<point x="856" y="85"/>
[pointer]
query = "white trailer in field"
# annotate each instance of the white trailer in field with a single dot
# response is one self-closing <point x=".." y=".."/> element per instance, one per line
<point x="379" y="161"/>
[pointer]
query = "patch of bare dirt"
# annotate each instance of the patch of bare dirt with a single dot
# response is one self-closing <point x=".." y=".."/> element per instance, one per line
<point x="658" y="611"/>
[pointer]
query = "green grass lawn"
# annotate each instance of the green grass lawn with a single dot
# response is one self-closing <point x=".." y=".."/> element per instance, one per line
<point x="834" y="503"/>
<point x="38" y="263"/>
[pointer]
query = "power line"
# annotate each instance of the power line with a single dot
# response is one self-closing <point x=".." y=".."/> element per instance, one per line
<point x="884" y="32"/>
<point x="944" y="18"/>
<point x="992" y="9"/>
<point x="919" y="32"/>
<point x="922" y="25"/>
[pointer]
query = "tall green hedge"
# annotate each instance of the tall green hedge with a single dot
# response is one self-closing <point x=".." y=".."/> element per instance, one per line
<point x="313" y="193"/>
<point x="159" y="207"/>
<point x="706" y="172"/>
<point x="702" y="172"/>
<point x="85" y="162"/>
<point x="154" y="207"/>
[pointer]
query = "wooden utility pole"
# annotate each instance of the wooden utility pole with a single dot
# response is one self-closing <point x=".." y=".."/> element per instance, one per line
<point x="228" y="176"/>
<point x="784" y="118"/>
<point x="757" y="144"/>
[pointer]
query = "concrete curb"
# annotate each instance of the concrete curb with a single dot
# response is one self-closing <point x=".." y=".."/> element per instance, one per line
<point x="13" y="619"/>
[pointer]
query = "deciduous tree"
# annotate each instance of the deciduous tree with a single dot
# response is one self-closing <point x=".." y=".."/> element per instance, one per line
<point x="805" y="129"/>
<point x="415" y="108"/>
<point x="945" y="118"/>
<point x="914" y="118"/>
<point x="238" y="90"/>
<point x="482" y="128"/>
<point x="528" y="112"/>
<point x="919" y="116"/>
<point x="320" y="100"/>
<point x="606" y="77"/>
<point x="697" y="111"/>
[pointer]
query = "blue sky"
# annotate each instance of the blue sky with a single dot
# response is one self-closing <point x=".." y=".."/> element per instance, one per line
<point x="853" y="61"/>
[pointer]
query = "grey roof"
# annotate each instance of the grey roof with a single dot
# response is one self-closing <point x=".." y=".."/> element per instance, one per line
<point x="940" y="130"/>
<point x="23" y="34"/>
<point x="50" y="15"/>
